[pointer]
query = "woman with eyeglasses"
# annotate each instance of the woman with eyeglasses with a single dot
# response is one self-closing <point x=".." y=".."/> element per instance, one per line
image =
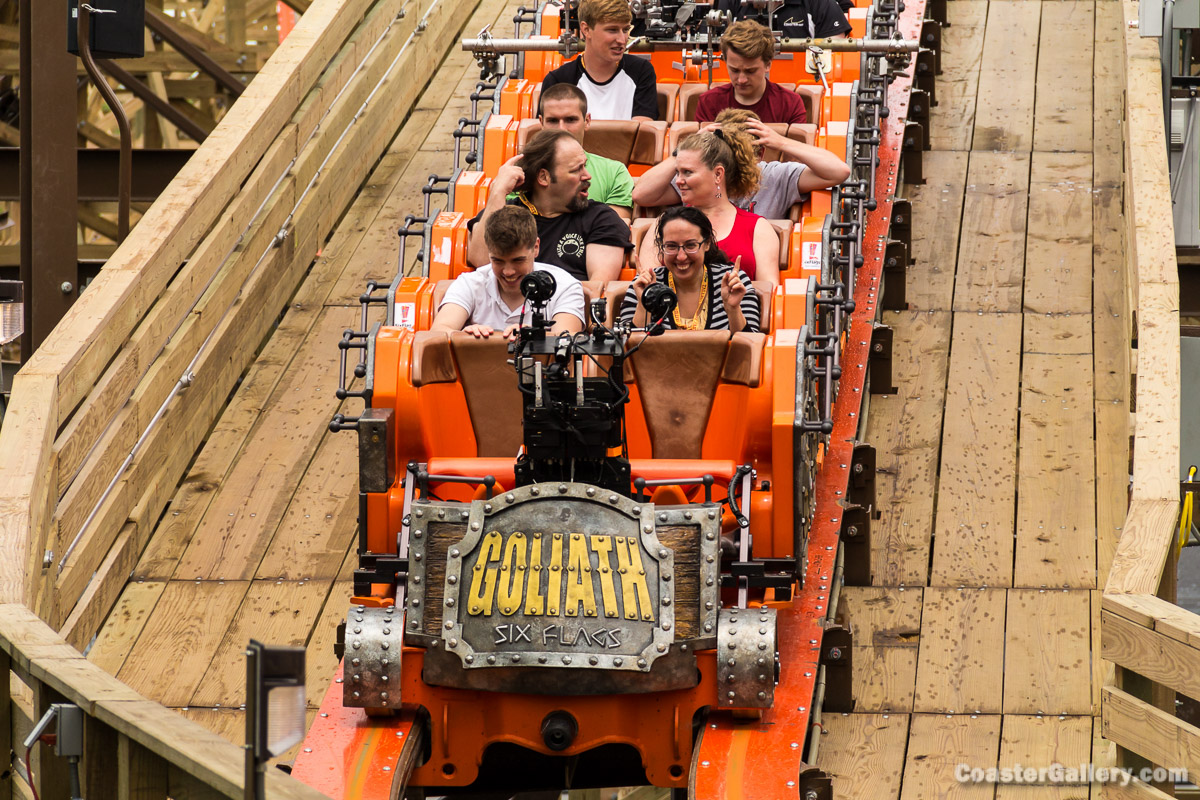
<point x="713" y="168"/>
<point x="713" y="294"/>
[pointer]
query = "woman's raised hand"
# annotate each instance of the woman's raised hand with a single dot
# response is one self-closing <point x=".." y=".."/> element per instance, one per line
<point x="733" y="291"/>
<point x="644" y="277"/>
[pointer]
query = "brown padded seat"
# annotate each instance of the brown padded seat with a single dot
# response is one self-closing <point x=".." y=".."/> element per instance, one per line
<point x="743" y="362"/>
<point x="766" y="297"/>
<point x="488" y="381"/>
<point x="668" y="94"/>
<point x="677" y="375"/>
<point x="812" y="94"/>
<point x="784" y="228"/>
<point x="621" y="140"/>
<point x="439" y="291"/>
<point x="432" y="359"/>
<point x="490" y="387"/>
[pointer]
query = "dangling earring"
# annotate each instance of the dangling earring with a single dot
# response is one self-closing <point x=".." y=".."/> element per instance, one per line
<point x="718" y="191"/>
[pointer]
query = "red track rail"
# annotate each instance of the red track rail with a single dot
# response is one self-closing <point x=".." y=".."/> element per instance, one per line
<point x="761" y="760"/>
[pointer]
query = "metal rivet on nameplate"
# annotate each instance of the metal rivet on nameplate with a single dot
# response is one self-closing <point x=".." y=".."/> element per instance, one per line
<point x="535" y="491"/>
<point x="508" y="498"/>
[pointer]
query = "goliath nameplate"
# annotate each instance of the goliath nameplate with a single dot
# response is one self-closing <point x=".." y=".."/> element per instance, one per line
<point x="562" y="575"/>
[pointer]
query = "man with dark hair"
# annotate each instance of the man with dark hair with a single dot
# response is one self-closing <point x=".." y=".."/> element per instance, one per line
<point x="800" y="19"/>
<point x="617" y="85"/>
<point x="748" y="48"/>
<point x="565" y="107"/>
<point x="551" y="180"/>
<point x="489" y="300"/>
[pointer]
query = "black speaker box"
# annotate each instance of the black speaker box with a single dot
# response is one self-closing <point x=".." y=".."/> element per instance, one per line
<point x="116" y="35"/>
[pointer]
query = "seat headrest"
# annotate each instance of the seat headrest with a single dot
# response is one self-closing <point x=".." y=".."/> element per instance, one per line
<point x="432" y="359"/>
<point x="743" y="362"/>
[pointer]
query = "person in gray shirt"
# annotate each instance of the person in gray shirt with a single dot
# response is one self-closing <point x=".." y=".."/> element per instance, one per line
<point x="783" y="184"/>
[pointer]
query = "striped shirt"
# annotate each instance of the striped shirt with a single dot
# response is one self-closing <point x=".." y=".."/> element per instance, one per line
<point x="717" y="318"/>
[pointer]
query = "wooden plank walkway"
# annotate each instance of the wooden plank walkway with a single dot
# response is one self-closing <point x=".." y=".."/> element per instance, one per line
<point x="258" y="539"/>
<point x="1003" y="457"/>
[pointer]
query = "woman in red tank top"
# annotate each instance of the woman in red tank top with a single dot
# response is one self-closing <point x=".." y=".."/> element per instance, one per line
<point x="711" y="166"/>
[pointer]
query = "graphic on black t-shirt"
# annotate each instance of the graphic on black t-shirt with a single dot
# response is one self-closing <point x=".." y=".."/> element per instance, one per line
<point x="571" y="246"/>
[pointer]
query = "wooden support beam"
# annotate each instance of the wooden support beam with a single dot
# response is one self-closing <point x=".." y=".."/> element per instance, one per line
<point x="1150" y="654"/>
<point x="1150" y="732"/>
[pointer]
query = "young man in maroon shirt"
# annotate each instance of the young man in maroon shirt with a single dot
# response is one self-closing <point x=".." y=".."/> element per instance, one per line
<point x="748" y="48"/>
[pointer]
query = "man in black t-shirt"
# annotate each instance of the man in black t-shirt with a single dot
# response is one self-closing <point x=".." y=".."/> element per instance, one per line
<point x="800" y="19"/>
<point x="584" y="237"/>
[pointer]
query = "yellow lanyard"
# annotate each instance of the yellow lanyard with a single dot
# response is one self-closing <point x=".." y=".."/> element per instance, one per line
<point x="525" y="202"/>
<point x="699" y="320"/>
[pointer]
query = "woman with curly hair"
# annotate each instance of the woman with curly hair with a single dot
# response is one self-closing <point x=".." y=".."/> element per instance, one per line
<point x="711" y="167"/>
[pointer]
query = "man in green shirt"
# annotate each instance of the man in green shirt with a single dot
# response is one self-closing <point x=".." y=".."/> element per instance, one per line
<point x="564" y="106"/>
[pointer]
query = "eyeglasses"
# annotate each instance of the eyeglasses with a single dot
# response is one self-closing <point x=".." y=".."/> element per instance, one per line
<point x="691" y="247"/>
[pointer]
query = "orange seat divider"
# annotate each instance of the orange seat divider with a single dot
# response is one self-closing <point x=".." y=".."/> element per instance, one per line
<point x="805" y="258"/>
<point x="499" y="142"/>
<point x="858" y="22"/>
<point x="447" y="246"/>
<point x="551" y="21"/>
<point x="791" y="304"/>
<point x="846" y="67"/>
<point x="835" y="138"/>
<point x="413" y="304"/>
<point x="510" y="97"/>
<point x="469" y="196"/>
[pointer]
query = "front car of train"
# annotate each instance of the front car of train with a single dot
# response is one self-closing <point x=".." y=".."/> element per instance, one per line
<point x="612" y="558"/>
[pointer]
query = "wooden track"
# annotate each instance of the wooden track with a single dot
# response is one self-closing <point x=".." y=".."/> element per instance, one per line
<point x="1005" y="451"/>
<point x="257" y="540"/>
<point x="1004" y="456"/>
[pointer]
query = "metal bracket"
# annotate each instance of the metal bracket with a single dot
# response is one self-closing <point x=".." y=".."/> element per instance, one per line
<point x="900" y="228"/>
<point x="813" y="784"/>
<point x="895" y="272"/>
<point x="911" y="154"/>
<point x="931" y="39"/>
<point x="879" y="364"/>
<point x="937" y="11"/>
<point x="856" y="546"/>
<point x="378" y="568"/>
<point x="837" y="656"/>
<point x="918" y="109"/>
<point x="925" y="74"/>
<point x="746" y="657"/>
<point x="861" y="489"/>
<point x="376" y="450"/>
<point x="371" y="670"/>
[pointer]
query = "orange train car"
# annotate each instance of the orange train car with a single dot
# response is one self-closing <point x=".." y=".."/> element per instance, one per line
<point x="611" y="559"/>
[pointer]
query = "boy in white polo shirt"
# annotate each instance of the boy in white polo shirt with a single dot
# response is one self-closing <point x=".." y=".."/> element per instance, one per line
<point x="489" y="300"/>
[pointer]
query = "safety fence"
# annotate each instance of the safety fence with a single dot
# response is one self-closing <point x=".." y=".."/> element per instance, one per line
<point x="107" y="414"/>
<point x="1154" y="644"/>
<point x="132" y="747"/>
